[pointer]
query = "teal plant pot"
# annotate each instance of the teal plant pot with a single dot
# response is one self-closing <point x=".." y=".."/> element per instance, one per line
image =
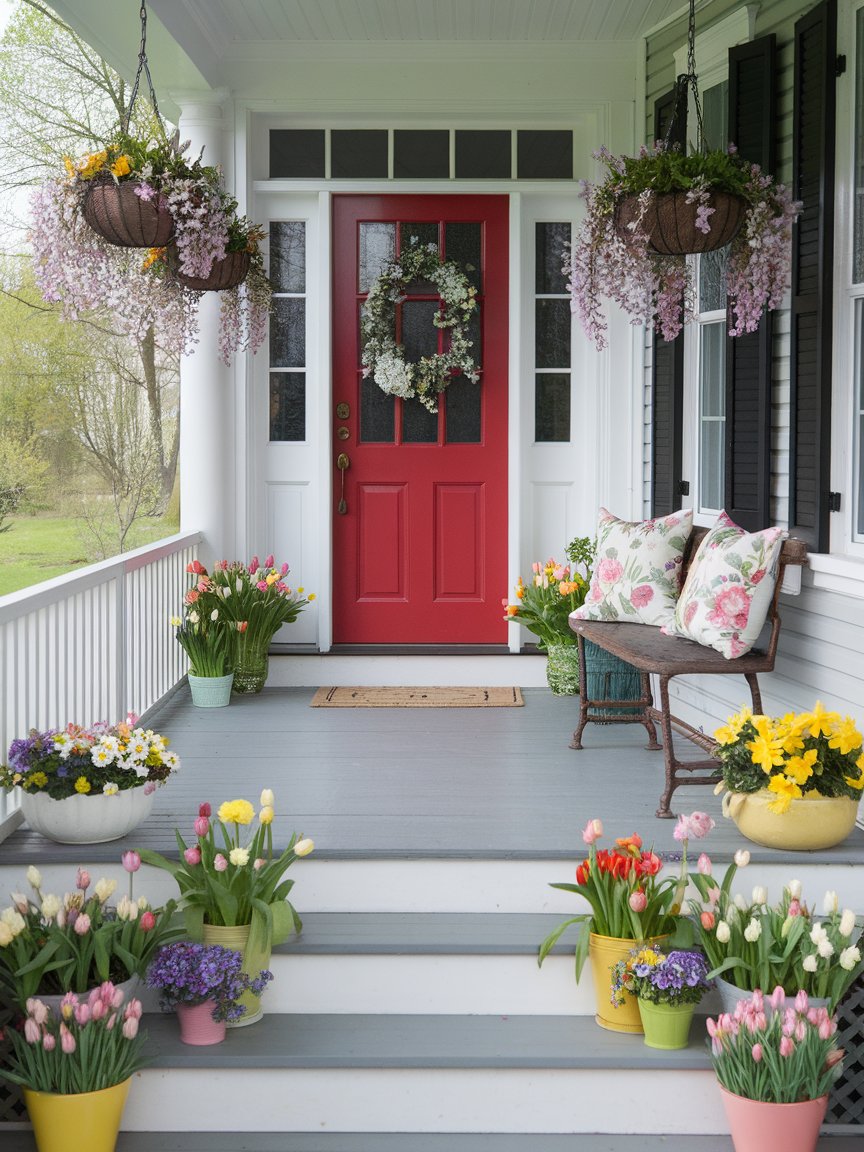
<point x="211" y="691"/>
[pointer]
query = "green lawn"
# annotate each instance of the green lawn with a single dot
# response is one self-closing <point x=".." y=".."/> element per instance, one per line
<point x="37" y="548"/>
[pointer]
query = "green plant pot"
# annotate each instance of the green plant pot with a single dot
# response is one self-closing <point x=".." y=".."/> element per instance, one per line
<point x="562" y="669"/>
<point x="666" y="1025"/>
<point x="211" y="691"/>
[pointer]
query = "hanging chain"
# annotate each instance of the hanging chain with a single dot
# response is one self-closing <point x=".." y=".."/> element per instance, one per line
<point x="144" y="67"/>
<point x="688" y="81"/>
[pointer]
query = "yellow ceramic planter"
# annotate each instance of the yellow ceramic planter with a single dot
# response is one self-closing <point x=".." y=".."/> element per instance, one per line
<point x="811" y="823"/>
<point x="84" y="1122"/>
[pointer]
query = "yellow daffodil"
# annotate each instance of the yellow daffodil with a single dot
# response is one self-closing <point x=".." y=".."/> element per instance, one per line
<point x="846" y="737"/>
<point x="121" y="167"/>
<point x="819" y="722"/>
<point x="786" y="791"/>
<point x="766" y="753"/>
<point x="800" y="768"/>
<point x="236" y="812"/>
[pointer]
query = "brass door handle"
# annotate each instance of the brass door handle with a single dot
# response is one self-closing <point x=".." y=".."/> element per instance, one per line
<point x="342" y="462"/>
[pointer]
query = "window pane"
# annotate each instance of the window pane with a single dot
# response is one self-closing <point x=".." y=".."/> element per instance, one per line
<point x="713" y="369"/>
<point x="377" y="246"/>
<point x="296" y="152"/>
<point x="711" y="466"/>
<point x="544" y="155"/>
<point x="715" y="115"/>
<point x="712" y="410"/>
<point x="462" y="412"/>
<point x="483" y="155"/>
<point x="419" y="425"/>
<point x="421" y="154"/>
<point x="549" y="241"/>
<point x="859" y="447"/>
<point x="288" y="333"/>
<point x="552" y="333"/>
<point x="377" y="419"/>
<point x="552" y="407"/>
<point x="358" y="153"/>
<point x="288" y="255"/>
<point x="858" y="250"/>
<point x="287" y="405"/>
<point x="712" y="281"/>
<point x="463" y="243"/>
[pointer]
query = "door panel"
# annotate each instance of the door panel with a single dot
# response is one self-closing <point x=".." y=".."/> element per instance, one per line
<point x="420" y="551"/>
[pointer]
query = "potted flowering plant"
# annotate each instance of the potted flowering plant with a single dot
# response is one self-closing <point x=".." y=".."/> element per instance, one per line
<point x="794" y="781"/>
<point x="776" y="1059"/>
<point x="144" y="192"/>
<point x="204" y="984"/>
<point x="208" y="639"/>
<point x="628" y="902"/>
<point x="75" y="1065"/>
<point x="88" y="785"/>
<point x="233" y="887"/>
<point x="543" y="606"/>
<point x="667" y="986"/>
<point x="257" y="600"/>
<point x="752" y="944"/>
<point x="51" y="945"/>
<point x="621" y="252"/>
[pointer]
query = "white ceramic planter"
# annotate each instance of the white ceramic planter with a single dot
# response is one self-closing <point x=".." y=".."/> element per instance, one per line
<point x="86" y="819"/>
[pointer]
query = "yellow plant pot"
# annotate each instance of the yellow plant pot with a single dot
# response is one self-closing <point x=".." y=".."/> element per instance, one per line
<point x="812" y="822"/>
<point x="237" y="938"/>
<point x="604" y="952"/>
<point x="84" y="1122"/>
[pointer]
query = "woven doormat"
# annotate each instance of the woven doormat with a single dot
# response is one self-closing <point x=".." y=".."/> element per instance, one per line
<point x="418" y="698"/>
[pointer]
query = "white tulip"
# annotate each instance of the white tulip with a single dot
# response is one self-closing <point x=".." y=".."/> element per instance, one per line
<point x="103" y="889"/>
<point x="830" y="903"/>
<point x="50" y="907"/>
<point x="825" y="948"/>
<point x="723" y="932"/>
<point x="847" y="922"/>
<point x="214" y="615"/>
<point x="817" y="933"/>
<point x="810" y="964"/>
<point x="849" y="957"/>
<point x="794" y="887"/>
<point x="740" y="903"/>
<point x="753" y="931"/>
<point x="34" y="877"/>
<point x="760" y="895"/>
<point x="742" y="857"/>
<point x="267" y="799"/>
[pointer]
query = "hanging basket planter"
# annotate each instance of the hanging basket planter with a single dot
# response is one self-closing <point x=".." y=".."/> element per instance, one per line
<point x="670" y="222"/>
<point x="229" y="272"/>
<point x="116" y="213"/>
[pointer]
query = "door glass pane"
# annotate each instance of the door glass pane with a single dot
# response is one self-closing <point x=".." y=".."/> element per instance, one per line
<point x="463" y="243"/>
<point x="414" y="236"/>
<point x="462" y="412"/>
<point x="552" y="407"/>
<point x="419" y="425"/>
<point x="288" y="255"/>
<point x="419" y="334"/>
<point x="287" y="405"/>
<point x="552" y="333"/>
<point x="377" y="414"/>
<point x="288" y="333"/>
<point x="858" y="242"/>
<point x="549" y="241"/>
<point x="377" y="246"/>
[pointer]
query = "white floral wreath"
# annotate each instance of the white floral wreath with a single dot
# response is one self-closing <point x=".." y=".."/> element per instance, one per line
<point x="384" y="360"/>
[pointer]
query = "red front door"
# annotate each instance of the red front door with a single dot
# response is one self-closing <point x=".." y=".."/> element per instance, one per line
<point x="420" y="546"/>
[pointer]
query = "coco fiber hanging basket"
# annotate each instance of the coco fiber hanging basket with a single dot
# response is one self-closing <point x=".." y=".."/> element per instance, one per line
<point x="225" y="273"/>
<point x="670" y="222"/>
<point x="123" y="218"/>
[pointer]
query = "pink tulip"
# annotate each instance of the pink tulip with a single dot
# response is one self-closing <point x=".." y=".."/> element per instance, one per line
<point x="49" y="1042"/>
<point x="638" y="901"/>
<point x="268" y="563"/>
<point x="693" y="827"/>
<point x="37" y="1010"/>
<point x="778" y="998"/>
<point x="97" y="1009"/>
<point x="787" y="1046"/>
<point x="147" y="922"/>
<point x="801" y="1002"/>
<point x="67" y="1040"/>
<point x="82" y="1014"/>
<point x="713" y="895"/>
<point x="262" y="585"/>
<point x="130" y="1028"/>
<point x="82" y="880"/>
<point x="756" y="1052"/>
<point x="703" y="864"/>
<point x="827" y="1028"/>
<point x="834" y="1057"/>
<point x="205" y="810"/>
<point x="254" y="564"/>
<point x="201" y="826"/>
<point x="592" y="831"/>
<point x="131" y="861"/>
<point x="192" y="855"/>
<point x="133" y="1008"/>
<point x="82" y="924"/>
<point x="32" y="1031"/>
<point x="112" y="1020"/>
<point x="284" y="570"/>
<point x="707" y="920"/>
<point x="258" y="863"/>
<point x="219" y="862"/>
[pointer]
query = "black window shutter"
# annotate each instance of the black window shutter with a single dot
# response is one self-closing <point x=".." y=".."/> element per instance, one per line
<point x="667" y="360"/>
<point x="752" y="108"/>
<point x="812" y="244"/>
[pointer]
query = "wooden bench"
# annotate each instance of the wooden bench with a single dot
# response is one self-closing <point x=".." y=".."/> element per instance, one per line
<point x="649" y="651"/>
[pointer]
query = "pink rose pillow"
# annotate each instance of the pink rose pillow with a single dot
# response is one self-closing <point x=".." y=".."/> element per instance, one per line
<point x="728" y="591"/>
<point x="637" y="570"/>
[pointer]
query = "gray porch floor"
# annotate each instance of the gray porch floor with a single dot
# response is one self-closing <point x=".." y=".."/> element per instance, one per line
<point x="491" y="783"/>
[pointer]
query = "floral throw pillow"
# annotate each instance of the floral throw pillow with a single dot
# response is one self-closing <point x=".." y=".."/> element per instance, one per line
<point x="729" y="587"/>
<point x="637" y="569"/>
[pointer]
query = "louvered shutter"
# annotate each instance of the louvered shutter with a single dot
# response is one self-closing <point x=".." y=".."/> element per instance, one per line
<point x="747" y="496"/>
<point x="812" y="244"/>
<point x="667" y="361"/>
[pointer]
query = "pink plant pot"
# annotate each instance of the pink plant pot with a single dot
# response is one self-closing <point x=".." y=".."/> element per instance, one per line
<point x="197" y="1025"/>
<point x="760" y="1127"/>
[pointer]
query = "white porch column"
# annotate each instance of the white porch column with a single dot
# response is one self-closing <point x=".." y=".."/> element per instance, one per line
<point x="207" y="458"/>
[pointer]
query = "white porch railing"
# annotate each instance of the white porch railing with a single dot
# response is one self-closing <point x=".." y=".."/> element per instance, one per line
<point x="91" y="645"/>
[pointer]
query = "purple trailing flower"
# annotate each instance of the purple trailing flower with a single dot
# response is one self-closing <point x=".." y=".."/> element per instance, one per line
<point x="187" y="973"/>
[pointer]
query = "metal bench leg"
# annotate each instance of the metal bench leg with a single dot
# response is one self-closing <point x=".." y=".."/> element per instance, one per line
<point x="664" y="812"/>
<point x="576" y="742"/>
<point x="653" y="745"/>
<point x="755" y="694"/>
